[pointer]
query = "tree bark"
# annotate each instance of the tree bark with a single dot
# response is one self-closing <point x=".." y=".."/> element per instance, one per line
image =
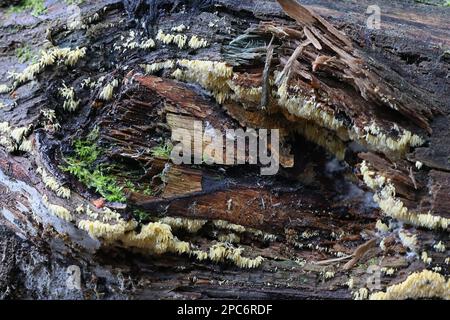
<point x="363" y="96"/>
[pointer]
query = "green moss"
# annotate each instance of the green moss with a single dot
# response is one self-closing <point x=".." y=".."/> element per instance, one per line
<point x="141" y="216"/>
<point x="162" y="151"/>
<point x="83" y="166"/>
<point x="69" y="2"/>
<point x="37" y="7"/>
<point x="24" y="54"/>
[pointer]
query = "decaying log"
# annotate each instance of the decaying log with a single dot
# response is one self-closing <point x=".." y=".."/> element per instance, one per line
<point x="363" y="181"/>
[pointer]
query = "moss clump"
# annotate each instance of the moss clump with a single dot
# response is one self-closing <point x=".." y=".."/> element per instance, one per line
<point x="37" y="7"/>
<point x="84" y="166"/>
<point x="24" y="54"/>
<point x="141" y="216"/>
<point x="162" y="151"/>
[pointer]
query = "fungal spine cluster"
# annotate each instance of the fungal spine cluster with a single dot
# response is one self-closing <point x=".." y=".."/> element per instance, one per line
<point x="52" y="184"/>
<point x="54" y="55"/>
<point x="131" y="42"/>
<point x="423" y="285"/>
<point x="13" y="139"/>
<point x="181" y="40"/>
<point x="68" y="93"/>
<point x="57" y="210"/>
<point x="107" y="92"/>
<point x="190" y="225"/>
<point x="157" y="238"/>
<point x="394" y="207"/>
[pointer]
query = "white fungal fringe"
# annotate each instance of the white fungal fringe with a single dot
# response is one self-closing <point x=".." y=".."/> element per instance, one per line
<point x="107" y="93"/>
<point x="68" y="93"/>
<point x="57" y="210"/>
<point x="52" y="184"/>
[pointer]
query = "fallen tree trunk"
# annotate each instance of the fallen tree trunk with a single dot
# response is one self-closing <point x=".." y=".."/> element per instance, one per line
<point x="360" y="202"/>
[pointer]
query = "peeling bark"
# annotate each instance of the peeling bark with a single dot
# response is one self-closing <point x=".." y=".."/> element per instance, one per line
<point x="340" y="95"/>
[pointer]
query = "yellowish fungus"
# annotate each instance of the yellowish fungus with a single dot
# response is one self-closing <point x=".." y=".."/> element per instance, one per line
<point x="394" y="207"/>
<point x="52" y="184"/>
<point x="419" y="285"/>
<point x="190" y="225"/>
<point x="57" y="210"/>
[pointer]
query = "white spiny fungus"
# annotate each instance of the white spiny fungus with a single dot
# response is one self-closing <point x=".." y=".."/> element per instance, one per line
<point x="147" y="44"/>
<point x="437" y="269"/>
<point x="388" y="271"/>
<point x="179" y="28"/>
<point x="306" y="107"/>
<point x="26" y="146"/>
<point x="439" y="247"/>
<point x="190" y="225"/>
<point x="375" y="137"/>
<point x="72" y="56"/>
<point x="199" y="255"/>
<point x="322" y="137"/>
<point x="423" y="285"/>
<point x="178" y="39"/>
<point x="425" y="258"/>
<point x="211" y="75"/>
<point x="309" y="234"/>
<point x="68" y="93"/>
<point x="222" y="251"/>
<point x="88" y="83"/>
<point x="65" y="55"/>
<point x="361" y="294"/>
<point x="241" y="93"/>
<point x="110" y="215"/>
<point x="107" y="93"/>
<point x="4" y="88"/>
<point x="350" y="283"/>
<point x="52" y="184"/>
<point x="394" y="207"/>
<point x="197" y="43"/>
<point x="132" y="43"/>
<point x="17" y="134"/>
<point x="50" y="122"/>
<point x="266" y="237"/>
<point x="57" y="210"/>
<point x="157" y="238"/>
<point x="106" y="231"/>
<point x="419" y="165"/>
<point x="381" y="227"/>
<point x="12" y="138"/>
<point x="230" y="238"/>
<point x="177" y="74"/>
<point x="328" y="275"/>
<point x="91" y="214"/>
<point x="80" y="209"/>
<point x="408" y="240"/>
<point x="383" y="245"/>
<point x="222" y="224"/>
<point x="158" y="66"/>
